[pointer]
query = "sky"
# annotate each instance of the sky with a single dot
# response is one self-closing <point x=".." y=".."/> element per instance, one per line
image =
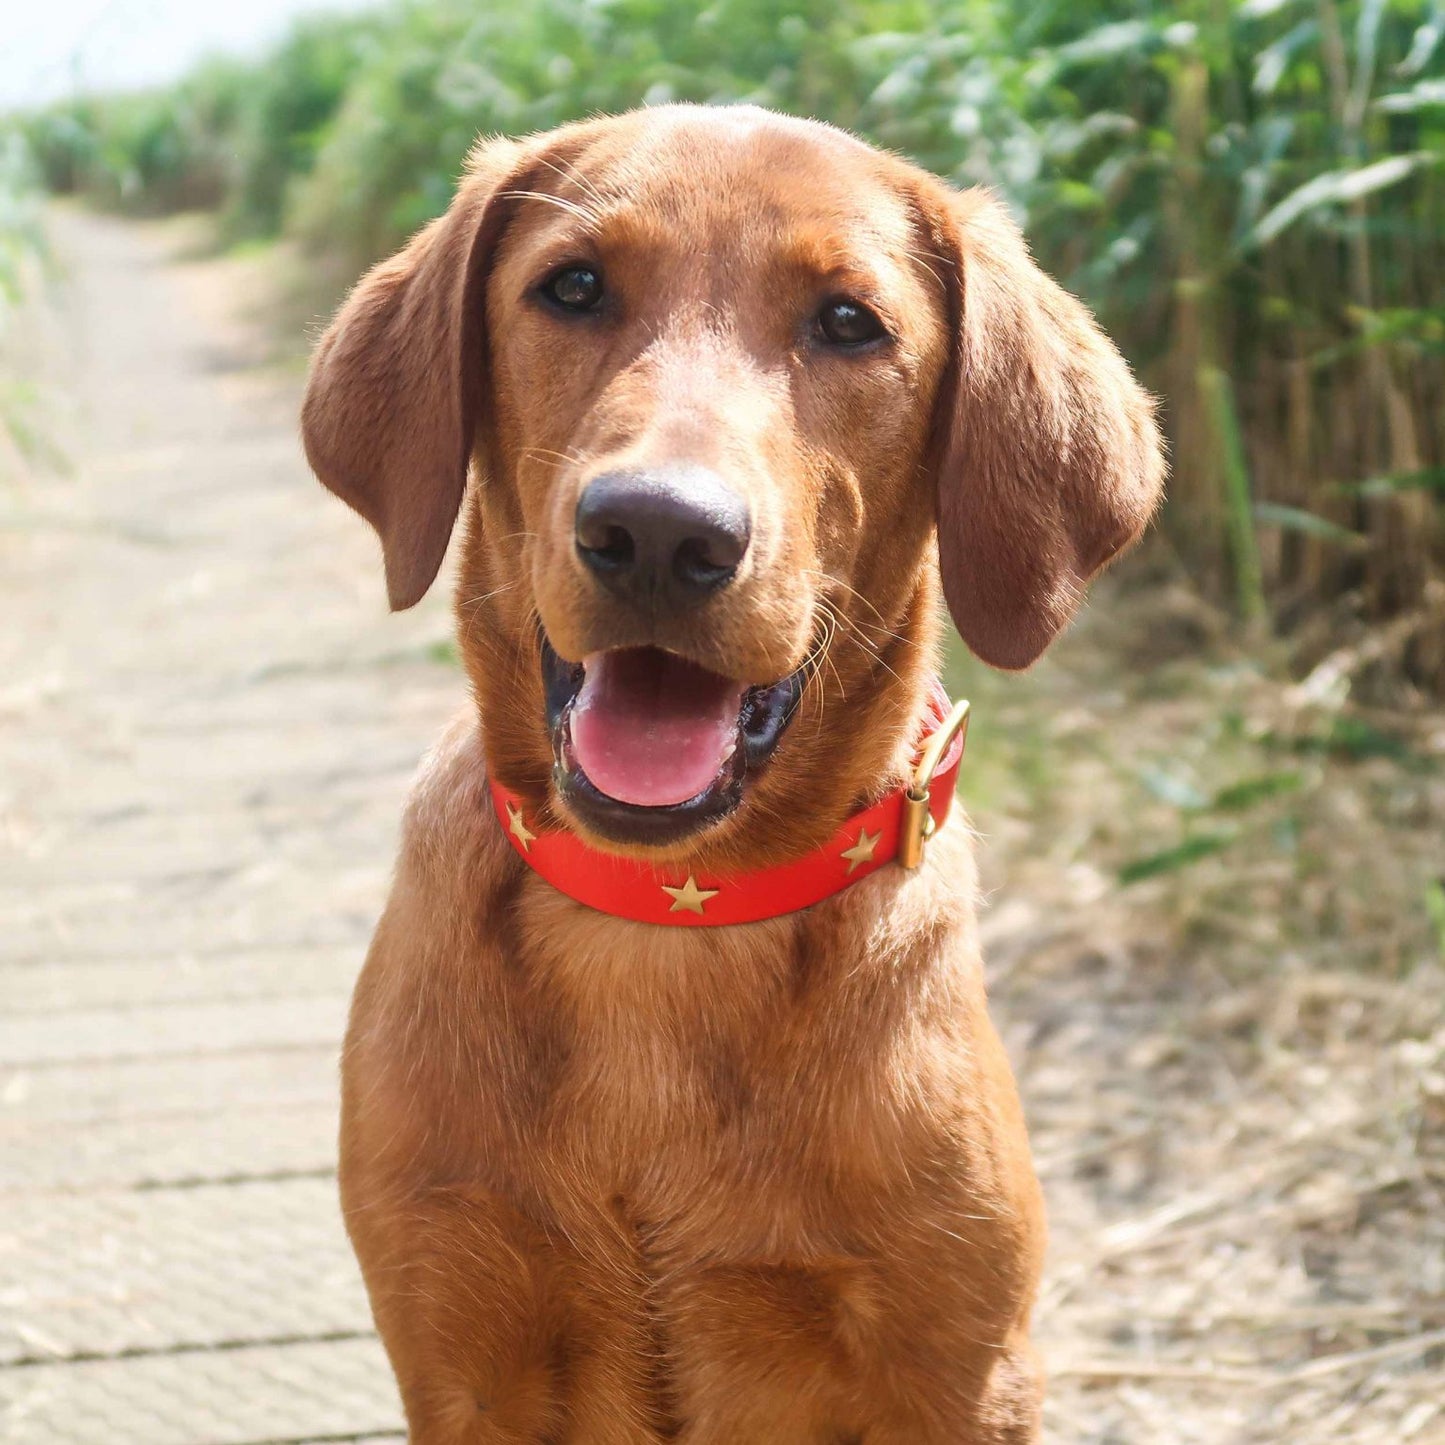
<point x="52" y="48"/>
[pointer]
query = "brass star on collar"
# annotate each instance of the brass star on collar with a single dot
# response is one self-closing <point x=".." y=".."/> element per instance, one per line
<point x="862" y="850"/>
<point x="517" y="827"/>
<point x="689" y="898"/>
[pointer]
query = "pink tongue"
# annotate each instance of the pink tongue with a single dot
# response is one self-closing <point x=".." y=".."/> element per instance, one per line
<point x="652" y="729"/>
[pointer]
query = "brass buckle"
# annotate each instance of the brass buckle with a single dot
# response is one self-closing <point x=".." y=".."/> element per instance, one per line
<point x="916" y="826"/>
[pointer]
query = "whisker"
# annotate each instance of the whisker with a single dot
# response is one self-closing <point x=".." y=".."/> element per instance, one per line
<point x="474" y="603"/>
<point x="871" y="648"/>
<point x="561" y="202"/>
<point x="571" y="173"/>
<point x="833" y="581"/>
<point x="924" y="257"/>
<point x="548" y="453"/>
<point x="819" y="656"/>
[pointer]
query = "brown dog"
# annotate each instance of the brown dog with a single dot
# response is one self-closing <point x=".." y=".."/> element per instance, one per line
<point x="720" y="378"/>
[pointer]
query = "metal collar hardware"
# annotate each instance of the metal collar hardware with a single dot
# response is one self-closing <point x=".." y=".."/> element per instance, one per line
<point x="917" y="822"/>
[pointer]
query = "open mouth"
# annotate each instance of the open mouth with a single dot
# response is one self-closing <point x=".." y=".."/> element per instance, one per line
<point x="648" y="746"/>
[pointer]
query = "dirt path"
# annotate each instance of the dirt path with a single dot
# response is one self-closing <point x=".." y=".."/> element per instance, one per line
<point x="206" y="729"/>
<point x="1235" y="1075"/>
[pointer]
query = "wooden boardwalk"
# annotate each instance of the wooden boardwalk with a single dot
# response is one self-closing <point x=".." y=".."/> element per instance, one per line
<point x="207" y="723"/>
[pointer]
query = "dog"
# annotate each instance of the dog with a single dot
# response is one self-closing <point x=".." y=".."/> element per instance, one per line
<point x="671" y="1109"/>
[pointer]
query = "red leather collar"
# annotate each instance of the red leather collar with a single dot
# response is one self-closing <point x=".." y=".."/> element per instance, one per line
<point x="694" y="898"/>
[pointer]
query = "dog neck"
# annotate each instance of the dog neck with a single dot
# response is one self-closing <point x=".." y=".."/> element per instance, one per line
<point x="894" y="829"/>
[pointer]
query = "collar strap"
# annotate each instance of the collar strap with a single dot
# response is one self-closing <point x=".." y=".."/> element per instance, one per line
<point x="897" y="826"/>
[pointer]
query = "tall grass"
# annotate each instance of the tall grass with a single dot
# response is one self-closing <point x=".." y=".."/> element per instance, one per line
<point x="1250" y="192"/>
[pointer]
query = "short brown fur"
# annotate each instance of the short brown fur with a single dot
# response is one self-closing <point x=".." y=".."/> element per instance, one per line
<point x="611" y="1182"/>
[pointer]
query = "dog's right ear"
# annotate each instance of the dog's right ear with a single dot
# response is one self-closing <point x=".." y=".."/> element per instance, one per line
<point x="396" y="384"/>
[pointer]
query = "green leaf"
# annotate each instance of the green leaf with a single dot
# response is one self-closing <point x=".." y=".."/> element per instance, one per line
<point x="1426" y="38"/>
<point x="1367" y="34"/>
<point x="1108" y="42"/>
<point x="1356" y="739"/>
<point x="1335" y="188"/>
<point x="1243" y="545"/>
<point x="1260" y="9"/>
<point x="1432" y="479"/>
<point x="1273" y="61"/>
<point x="1249" y="791"/>
<point x="1435" y="912"/>
<point x="1421" y="95"/>
<point x="1296" y="519"/>
<point x="1171" y="860"/>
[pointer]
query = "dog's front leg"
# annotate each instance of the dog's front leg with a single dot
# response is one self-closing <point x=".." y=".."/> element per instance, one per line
<point x="498" y="1333"/>
<point x="793" y="1356"/>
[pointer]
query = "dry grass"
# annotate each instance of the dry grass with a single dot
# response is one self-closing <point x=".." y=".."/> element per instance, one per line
<point x="1234" y="1069"/>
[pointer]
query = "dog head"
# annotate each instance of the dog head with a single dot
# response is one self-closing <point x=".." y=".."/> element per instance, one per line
<point x="721" y="377"/>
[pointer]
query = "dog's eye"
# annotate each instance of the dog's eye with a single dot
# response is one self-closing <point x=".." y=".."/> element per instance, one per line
<point x="849" y="323"/>
<point x="576" y="288"/>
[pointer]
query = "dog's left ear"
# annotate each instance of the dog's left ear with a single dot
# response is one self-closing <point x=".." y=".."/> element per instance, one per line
<point x="1050" y="463"/>
<point x="392" y="403"/>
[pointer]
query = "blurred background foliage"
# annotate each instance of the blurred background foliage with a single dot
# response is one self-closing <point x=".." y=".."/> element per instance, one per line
<point x="1249" y="192"/>
<point x="22" y="253"/>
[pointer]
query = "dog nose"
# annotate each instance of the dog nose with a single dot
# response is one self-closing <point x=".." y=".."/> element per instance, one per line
<point x="674" y="535"/>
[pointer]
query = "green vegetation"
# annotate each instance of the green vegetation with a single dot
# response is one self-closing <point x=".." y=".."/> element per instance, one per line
<point x="21" y="251"/>
<point x="1271" y="828"/>
<point x="1250" y="192"/>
